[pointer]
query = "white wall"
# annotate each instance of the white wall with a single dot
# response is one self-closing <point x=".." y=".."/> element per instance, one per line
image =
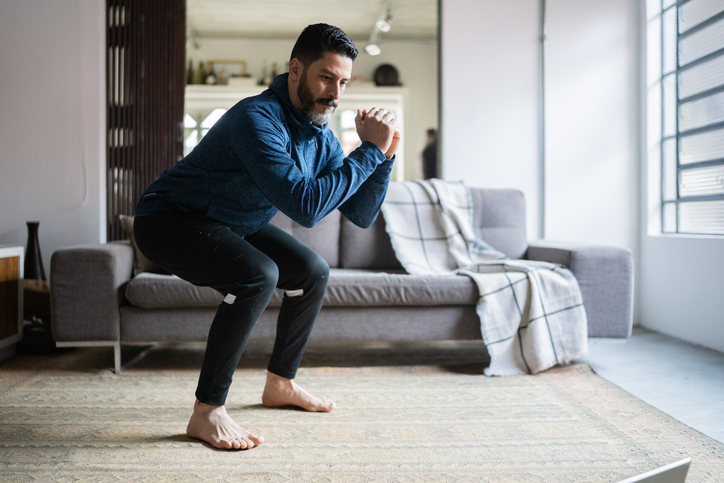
<point x="490" y="118"/>
<point x="490" y="96"/>
<point x="52" y="123"/>
<point x="601" y="170"/>
<point x="681" y="288"/>
<point x="416" y="61"/>
<point x="592" y="129"/>
<point x="680" y="276"/>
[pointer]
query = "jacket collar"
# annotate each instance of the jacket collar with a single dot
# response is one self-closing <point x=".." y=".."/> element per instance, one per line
<point x="294" y="117"/>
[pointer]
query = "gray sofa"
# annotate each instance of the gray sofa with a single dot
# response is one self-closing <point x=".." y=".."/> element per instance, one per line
<point x="99" y="299"/>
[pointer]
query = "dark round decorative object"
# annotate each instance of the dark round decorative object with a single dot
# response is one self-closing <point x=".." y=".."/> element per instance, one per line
<point x="387" y="75"/>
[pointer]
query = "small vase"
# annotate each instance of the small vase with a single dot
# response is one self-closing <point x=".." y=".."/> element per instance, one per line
<point x="33" y="260"/>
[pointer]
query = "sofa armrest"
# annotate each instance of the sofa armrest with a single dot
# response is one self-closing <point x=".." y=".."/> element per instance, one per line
<point x="86" y="291"/>
<point x="606" y="277"/>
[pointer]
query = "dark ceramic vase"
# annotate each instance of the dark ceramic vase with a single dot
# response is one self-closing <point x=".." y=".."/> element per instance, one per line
<point x="387" y="75"/>
<point x="33" y="260"/>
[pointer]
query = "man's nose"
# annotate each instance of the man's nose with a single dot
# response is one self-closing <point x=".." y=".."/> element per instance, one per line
<point x="335" y="91"/>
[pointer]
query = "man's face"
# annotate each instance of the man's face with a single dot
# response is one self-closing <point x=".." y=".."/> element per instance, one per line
<point x="320" y="85"/>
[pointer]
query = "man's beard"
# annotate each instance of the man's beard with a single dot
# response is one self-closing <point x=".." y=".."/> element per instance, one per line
<point x="309" y="104"/>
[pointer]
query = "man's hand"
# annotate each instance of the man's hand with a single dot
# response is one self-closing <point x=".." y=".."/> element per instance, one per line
<point x="396" y="137"/>
<point x="378" y="127"/>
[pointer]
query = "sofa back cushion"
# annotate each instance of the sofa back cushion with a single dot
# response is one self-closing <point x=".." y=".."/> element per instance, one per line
<point x="499" y="219"/>
<point x="323" y="238"/>
<point x="369" y="248"/>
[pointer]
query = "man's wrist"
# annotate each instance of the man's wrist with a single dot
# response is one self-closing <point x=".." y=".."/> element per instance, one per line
<point x="370" y="144"/>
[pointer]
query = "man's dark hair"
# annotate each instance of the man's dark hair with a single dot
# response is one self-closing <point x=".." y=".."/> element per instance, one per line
<point x="318" y="39"/>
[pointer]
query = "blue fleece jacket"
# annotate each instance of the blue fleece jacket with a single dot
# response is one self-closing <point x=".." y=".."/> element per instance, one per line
<point x="262" y="156"/>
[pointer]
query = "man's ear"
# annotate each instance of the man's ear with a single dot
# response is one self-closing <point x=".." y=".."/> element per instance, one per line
<point x="295" y="69"/>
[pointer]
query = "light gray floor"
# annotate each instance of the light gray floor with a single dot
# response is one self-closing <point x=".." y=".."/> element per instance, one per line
<point x="683" y="380"/>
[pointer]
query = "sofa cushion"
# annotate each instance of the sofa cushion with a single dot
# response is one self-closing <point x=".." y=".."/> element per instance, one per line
<point x="157" y="291"/>
<point x="347" y="288"/>
<point x="499" y="219"/>
<point x="154" y="291"/>
<point x="363" y="288"/>
<point x="368" y="248"/>
<point x="323" y="238"/>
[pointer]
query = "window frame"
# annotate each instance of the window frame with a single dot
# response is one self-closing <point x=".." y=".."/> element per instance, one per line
<point x="679" y="201"/>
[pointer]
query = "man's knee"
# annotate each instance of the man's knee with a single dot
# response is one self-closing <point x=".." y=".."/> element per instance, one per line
<point x="268" y="275"/>
<point x="318" y="275"/>
<point x="318" y="269"/>
<point x="313" y="275"/>
<point x="261" y="281"/>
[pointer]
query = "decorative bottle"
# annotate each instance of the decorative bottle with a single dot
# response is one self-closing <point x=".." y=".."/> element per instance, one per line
<point x="33" y="260"/>
<point x="190" y="73"/>
<point x="201" y="74"/>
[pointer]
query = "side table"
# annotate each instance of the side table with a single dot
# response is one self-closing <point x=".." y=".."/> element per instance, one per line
<point x="11" y="298"/>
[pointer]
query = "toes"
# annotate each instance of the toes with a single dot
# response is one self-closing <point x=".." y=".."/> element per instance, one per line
<point x="240" y="443"/>
<point x="327" y="403"/>
<point x="256" y="440"/>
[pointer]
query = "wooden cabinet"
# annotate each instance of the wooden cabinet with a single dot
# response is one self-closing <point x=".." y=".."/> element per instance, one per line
<point x="11" y="298"/>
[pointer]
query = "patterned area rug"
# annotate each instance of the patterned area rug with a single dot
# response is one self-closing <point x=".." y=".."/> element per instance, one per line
<point x="66" y="417"/>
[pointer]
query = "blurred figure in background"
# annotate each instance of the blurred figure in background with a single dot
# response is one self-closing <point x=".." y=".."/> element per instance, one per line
<point x="429" y="156"/>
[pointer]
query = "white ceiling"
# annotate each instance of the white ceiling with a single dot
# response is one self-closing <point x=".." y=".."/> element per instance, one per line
<point x="285" y="19"/>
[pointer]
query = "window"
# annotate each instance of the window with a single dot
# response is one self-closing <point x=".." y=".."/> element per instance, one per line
<point x="692" y="110"/>
<point x="348" y="138"/>
<point x="194" y="130"/>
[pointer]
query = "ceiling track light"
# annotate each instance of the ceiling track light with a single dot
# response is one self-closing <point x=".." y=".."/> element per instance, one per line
<point x="373" y="49"/>
<point x="384" y="18"/>
<point x="382" y="25"/>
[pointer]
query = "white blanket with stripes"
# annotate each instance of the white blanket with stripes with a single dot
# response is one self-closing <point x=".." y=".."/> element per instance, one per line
<point x="531" y="313"/>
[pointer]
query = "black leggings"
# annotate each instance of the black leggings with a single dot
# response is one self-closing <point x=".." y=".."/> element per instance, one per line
<point x="245" y="270"/>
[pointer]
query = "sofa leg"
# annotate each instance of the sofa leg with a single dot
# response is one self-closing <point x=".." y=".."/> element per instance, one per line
<point x="98" y="343"/>
<point x="117" y="358"/>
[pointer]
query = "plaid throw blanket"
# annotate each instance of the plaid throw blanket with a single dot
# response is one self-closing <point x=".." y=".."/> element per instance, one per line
<point x="531" y="313"/>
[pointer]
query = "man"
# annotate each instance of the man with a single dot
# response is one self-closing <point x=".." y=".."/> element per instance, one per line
<point x="206" y="219"/>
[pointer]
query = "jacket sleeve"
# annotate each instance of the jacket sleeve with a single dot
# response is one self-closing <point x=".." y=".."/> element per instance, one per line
<point x="363" y="206"/>
<point x="262" y="146"/>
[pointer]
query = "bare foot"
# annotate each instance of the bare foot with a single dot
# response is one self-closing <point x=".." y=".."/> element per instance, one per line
<point x="213" y="425"/>
<point x="280" y="391"/>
